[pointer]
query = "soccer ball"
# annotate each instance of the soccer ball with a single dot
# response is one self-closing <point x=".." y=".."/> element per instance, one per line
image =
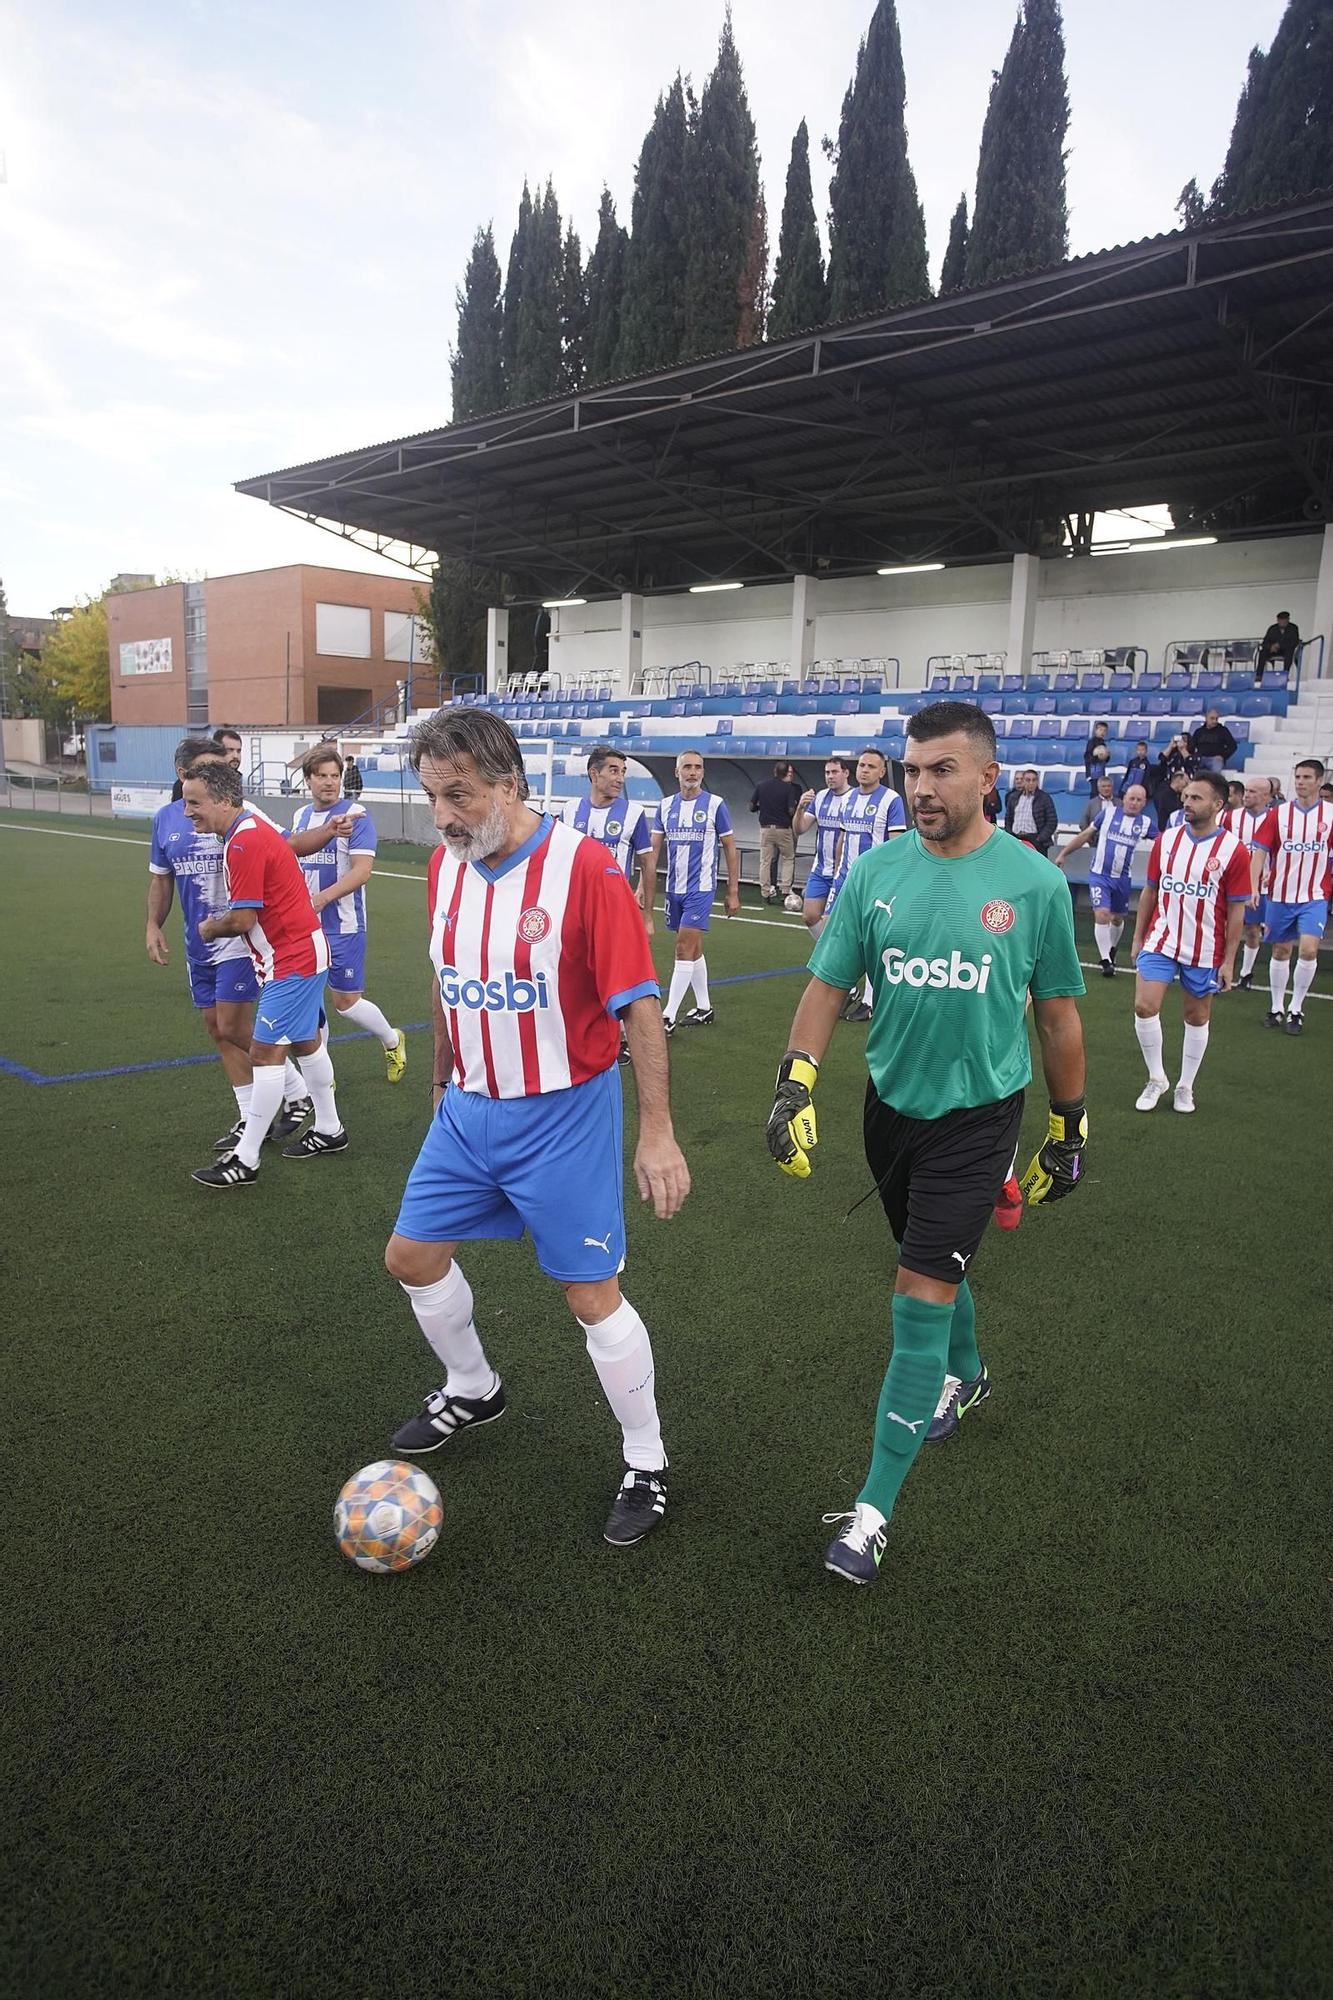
<point x="793" y="904"/>
<point x="388" y="1516"/>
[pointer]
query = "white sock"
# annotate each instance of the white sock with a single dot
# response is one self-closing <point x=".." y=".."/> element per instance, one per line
<point x="293" y="1083"/>
<point x="318" y="1073"/>
<point x="1279" y="972"/>
<point x="814" y="929"/>
<point x="622" y="1354"/>
<point x="1306" y="969"/>
<point x="701" y="985"/>
<point x="1196" y="1041"/>
<point x="324" y="1032"/>
<point x="1149" y="1033"/>
<point x="1249" y="958"/>
<point x="681" y="979"/>
<point x="1105" y="942"/>
<point x="444" y="1314"/>
<point x="1117" y="926"/>
<point x="265" y="1098"/>
<point x="365" y="1014"/>
<point x="241" y="1092"/>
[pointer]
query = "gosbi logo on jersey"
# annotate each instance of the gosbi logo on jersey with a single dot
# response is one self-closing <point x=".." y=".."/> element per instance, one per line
<point x="997" y="915"/>
<point x="954" y="973"/>
<point x="509" y="995"/>
<point x="1180" y="887"/>
<point x="534" y="925"/>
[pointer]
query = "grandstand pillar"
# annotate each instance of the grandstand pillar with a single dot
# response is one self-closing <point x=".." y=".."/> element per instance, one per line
<point x="497" y="649"/>
<point x="630" y="664"/>
<point x="1022" y="612"/>
<point x="804" y="600"/>
<point x="1323" y="604"/>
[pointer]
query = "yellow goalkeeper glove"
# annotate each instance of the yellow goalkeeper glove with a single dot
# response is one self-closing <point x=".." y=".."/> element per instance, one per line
<point x="791" y="1132"/>
<point x="1057" y="1167"/>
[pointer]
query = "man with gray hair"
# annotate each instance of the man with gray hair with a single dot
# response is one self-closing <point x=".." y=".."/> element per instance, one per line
<point x="1244" y="821"/>
<point x="540" y="955"/>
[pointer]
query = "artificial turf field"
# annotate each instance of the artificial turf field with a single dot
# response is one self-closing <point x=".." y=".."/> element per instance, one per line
<point x="1074" y="1742"/>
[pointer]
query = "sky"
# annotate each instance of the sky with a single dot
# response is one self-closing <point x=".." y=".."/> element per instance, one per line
<point x="231" y="234"/>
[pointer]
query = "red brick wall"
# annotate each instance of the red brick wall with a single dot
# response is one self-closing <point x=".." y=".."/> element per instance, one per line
<point x="148" y="614"/>
<point x="249" y="619"/>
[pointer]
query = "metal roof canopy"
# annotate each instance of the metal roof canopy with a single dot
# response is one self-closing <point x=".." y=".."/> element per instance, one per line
<point x="1195" y="368"/>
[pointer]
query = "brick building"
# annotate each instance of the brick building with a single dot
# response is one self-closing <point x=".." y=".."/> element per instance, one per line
<point x="298" y="645"/>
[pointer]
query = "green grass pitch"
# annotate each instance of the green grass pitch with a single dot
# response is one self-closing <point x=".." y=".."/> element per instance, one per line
<point x="1071" y="1744"/>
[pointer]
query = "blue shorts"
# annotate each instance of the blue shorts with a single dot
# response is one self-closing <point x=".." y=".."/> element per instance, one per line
<point x="347" y="960"/>
<point x="233" y="981"/>
<point x="1284" y="921"/>
<point x="1109" y="892"/>
<point x="1196" y="979"/>
<point x="817" y="887"/>
<point x="1255" y="913"/>
<point x="834" y="892"/>
<point x="290" y="1009"/>
<point x="553" y="1165"/>
<point x="690" y="911"/>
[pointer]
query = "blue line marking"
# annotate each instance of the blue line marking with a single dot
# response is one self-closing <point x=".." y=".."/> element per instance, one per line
<point x="25" y="1075"/>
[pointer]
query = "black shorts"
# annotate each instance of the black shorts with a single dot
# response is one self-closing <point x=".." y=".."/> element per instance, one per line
<point x="940" y="1178"/>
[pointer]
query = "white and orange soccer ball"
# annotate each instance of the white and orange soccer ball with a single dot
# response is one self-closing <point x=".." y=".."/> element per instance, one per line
<point x="388" y="1516"/>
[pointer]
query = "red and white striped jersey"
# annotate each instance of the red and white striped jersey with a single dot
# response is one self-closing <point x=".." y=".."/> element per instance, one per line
<point x="1299" y="839"/>
<point x="1195" y="879"/>
<point x="1243" y="823"/>
<point x="260" y="872"/>
<point x="535" y="959"/>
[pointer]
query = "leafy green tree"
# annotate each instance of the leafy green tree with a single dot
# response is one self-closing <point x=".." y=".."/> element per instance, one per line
<point x="76" y="658"/>
<point x="538" y="360"/>
<point x="1282" y="140"/>
<point x="800" y="290"/>
<point x="652" y="315"/>
<point x="1020" y="219"/>
<point x="1190" y="205"/>
<point x="513" y="297"/>
<point x="753" y="291"/>
<point x="605" y="279"/>
<point x="877" y="231"/>
<point x="455" y="613"/>
<point x="953" y="273"/>
<point x="721" y="196"/>
<point x="477" y="363"/>
<point x="573" y="313"/>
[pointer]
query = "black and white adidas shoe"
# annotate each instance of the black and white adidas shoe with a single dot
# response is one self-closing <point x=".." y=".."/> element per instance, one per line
<point x="230" y="1140"/>
<point x="291" y="1118"/>
<point x="229" y="1173"/>
<point x="702" y="1017"/>
<point x="312" y="1143"/>
<point x="638" y="1508"/>
<point x="441" y="1416"/>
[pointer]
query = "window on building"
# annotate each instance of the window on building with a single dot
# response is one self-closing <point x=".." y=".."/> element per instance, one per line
<point x="343" y="631"/>
<point x="406" y="638"/>
<point x="196" y="624"/>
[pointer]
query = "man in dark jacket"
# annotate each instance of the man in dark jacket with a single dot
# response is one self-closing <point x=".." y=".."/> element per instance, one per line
<point x="1030" y="815"/>
<point x="1277" y="648"/>
<point x="353" y="781"/>
<point x="775" y="800"/>
<point x="1212" y="744"/>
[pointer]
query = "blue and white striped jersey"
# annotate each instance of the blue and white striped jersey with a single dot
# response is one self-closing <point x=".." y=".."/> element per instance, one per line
<point x="322" y="870"/>
<point x="692" y="830"/>
<point x="827" y="809"/>
<point x="867" y="819"/>
<point x="1118" y="834"/>
<point x="622" y="828"/>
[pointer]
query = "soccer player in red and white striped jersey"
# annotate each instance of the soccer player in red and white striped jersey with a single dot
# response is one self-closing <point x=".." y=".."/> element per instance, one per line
<point x="1188" y="927"/>
<point x="539" y="953"/>
<point x="1297" y="837"/>
<point x="1245" y="821"/>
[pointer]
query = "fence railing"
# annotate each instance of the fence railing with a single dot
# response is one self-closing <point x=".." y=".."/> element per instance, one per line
<point x="53" y="795"/>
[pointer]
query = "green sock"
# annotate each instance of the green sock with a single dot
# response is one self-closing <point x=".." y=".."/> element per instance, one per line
<point x="964" y="1361"/>
<point x="907" y="1401"/>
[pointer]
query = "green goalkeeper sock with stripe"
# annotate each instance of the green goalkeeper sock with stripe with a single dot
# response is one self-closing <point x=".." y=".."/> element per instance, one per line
<point x="907" y="1401"/>
<point x="964" y="1361"/>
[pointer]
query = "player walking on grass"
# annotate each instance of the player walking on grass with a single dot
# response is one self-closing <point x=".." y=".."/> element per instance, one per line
<point x="268" y="906"/>
<point x="621" y="825"/>
<point x="1117" y="830"/>
<point x="539" y="952"/>
<point x="1188" y="927"/>
<point x="954" y="924"/>
<point x="823" y="810"/>
<point x="1244" y="821"/>
<point x="1297" y="839"/>
<point x="691" y="826"/>
<point x="336" y="878"/>
<point x="872" y="814"/>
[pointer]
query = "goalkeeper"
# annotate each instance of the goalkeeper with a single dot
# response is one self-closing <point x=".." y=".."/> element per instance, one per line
<point x="954" y="925"/>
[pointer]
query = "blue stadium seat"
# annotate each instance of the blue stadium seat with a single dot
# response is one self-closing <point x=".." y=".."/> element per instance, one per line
<point x="1208" y="683"/>
<point x="824" y="726"/>
<point x="1042" y="704"/>
<point x="1097" y="703"/>
<point x="1093" y="682"/>
<point x="1277" y="683"/>
<point x="1148" y="683"/>
<point x="750" y="706"/>
<point x="989" y="684"/>
<point x="1238" y="683"/>
<point x="767" y="688"/>
<point x="634" y="727"/>
<point x="1127" y="704"/>
<point x="1070" y="703"/>
<point x="722" y="727"/>
<point x="1157" y="704"/>
<point x="1001" y="728"/>
<point x="1038" y="684"/>
<point x="964" y="684"/>
<point x="1118" y="682"/>
<point x="871" y="684"/>
<point x="1254" y="703"/>
<point x="939" y="684"/>
<point x="893" y="746"/>
<point x="829" y="685"/>
<point x="1175" y="682"/>
<point x="1240" y="729"/>
<point x="1047" y="727"/>
<point x="1075" y="732"/>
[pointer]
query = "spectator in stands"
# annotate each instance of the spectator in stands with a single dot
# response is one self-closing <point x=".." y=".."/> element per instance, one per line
<point x="1096" y="755"/>
<point x="1277" y="648"/>
<point x="775" y="800"/>
<point x="1138" y="771"/>
<point x="1104" y="795"/>
<point x="1177" y="756"/>
<point x="1030" y="815"/>
<point x="353" y="782"/>
<point x="1212" y="746"/>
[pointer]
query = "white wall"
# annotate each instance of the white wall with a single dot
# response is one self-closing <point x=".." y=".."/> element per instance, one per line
<point x="1147" y="600"/>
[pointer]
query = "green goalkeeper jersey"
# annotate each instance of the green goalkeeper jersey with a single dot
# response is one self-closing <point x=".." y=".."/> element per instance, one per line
<point x="953" y="946"/>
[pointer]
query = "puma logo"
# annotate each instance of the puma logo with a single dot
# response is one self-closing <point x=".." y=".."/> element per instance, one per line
<point x="886" y="907"/>
<point x="894" y="1418"/>
<point x="962" y="1261"/>
<point x="602" y="1243"/>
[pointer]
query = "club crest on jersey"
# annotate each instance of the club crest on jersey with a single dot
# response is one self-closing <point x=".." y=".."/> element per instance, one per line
<point x="701" y="819"/>
<point x="997" y="915"/>
<point x="534" y="925"/>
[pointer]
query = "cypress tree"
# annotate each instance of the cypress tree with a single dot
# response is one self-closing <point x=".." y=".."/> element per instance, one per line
<point x="722" y="190"/>
<point x="877" y="231"/>
<point x="652" y="312"/>
<point x="1282" y="141"/>
<point x="605" y="293"/>
<point x="752" y="289"/>
<point x="800" y="292"/>
<point x="476" y="363"/>
<point x="538" y="363"/>
<point x="573" y="313"/>
<point x="1020" y="220"/>
<point x="952" y="275"/>
<point x="513" y="298"/>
